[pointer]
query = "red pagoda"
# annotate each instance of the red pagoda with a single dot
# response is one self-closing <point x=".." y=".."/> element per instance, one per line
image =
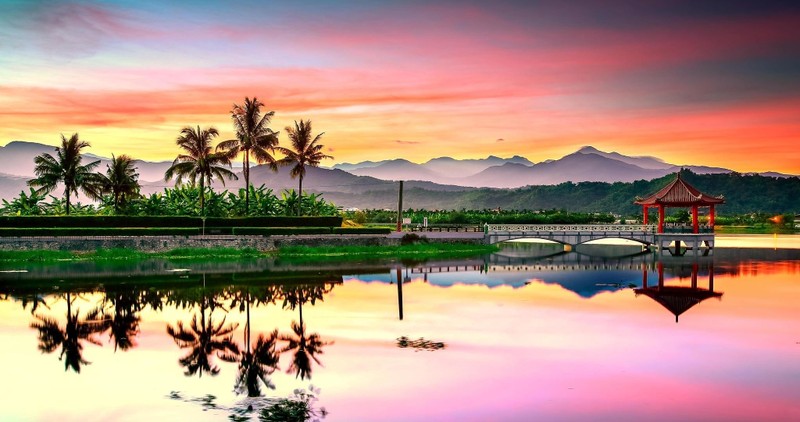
<point x="680" y="194"/>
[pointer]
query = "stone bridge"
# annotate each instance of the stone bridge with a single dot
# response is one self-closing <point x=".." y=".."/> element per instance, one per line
<point x="570" y="234"/>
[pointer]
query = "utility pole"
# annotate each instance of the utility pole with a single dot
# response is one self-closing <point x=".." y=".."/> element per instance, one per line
<point x="400" y="208"/>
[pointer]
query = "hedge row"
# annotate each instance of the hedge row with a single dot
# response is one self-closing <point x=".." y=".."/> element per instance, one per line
<point x="117" y="221"/>
<point x="72" y="231"/>
<point x="182" y="231"/>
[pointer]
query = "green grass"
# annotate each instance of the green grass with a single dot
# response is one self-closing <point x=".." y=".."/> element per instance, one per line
<point x="294" y="253"/>
<point x="442" y="250"/>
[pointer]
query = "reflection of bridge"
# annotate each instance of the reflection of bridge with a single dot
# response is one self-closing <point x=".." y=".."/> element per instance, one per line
<point x="576" y="234"/>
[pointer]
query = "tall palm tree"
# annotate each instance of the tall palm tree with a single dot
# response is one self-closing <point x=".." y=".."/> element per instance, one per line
<point x="52" y="335"/>
<point x="66" y="168"/>
<point x="305" y="152"/>
<point x="121" y="180"/>
<point x="199" y="162"/>
<point x="203" y="339"/>
<point x="252" y="136"/>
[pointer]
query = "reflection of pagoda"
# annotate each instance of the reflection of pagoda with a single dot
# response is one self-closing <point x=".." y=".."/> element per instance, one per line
<point x="678" y="299"/>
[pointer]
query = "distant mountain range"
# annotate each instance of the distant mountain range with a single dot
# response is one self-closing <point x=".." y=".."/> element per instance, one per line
<point x="360" y="183"/>
<point x="588" y="164"/>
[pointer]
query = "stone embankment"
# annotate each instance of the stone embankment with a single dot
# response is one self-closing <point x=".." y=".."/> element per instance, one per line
<point x="261" y="243"/>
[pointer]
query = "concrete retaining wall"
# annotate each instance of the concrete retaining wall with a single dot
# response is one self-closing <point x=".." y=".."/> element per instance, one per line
<point x="166" y="243"/>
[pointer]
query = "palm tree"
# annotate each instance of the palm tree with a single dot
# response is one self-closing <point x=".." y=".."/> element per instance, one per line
<point x="66" y="168"/>
<point x="52" y="335"/>
<point x="203" y="339"/>
<point x="121" y="180"/>
<point x="304" y="152"/>
<point x="252" y="136"/>
<point x="199" y="162"/>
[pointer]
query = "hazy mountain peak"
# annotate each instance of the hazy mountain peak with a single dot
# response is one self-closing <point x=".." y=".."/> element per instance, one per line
<point x="588" y="149"/>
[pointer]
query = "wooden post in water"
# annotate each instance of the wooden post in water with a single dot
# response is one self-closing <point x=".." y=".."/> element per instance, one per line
<point x="400" y="209"/>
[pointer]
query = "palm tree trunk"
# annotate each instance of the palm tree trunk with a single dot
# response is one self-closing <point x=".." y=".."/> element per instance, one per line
<point x="202" y="196"/>
<point x="66" y="194"/>
<point x="247" y="183"/>
<point x="300" y="198"/>
<point x="301" y="308"/>
<point x="247" y="336"/>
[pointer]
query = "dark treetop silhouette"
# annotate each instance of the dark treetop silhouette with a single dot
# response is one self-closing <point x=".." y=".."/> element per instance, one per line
<point x="253" y="136"/>
<point x="199" y="163"/>
<point x="305" y="151"/>
<point x="66" y="168"/>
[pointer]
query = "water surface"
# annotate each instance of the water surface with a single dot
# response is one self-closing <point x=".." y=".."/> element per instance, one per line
<point x="529" y="333"/>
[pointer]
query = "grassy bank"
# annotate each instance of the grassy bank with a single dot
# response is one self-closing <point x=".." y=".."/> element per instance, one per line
<point x="295" y="253"/>
<point x="420" y="250"/>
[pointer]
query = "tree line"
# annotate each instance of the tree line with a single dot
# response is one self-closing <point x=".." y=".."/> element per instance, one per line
<point x="199" y="163"/>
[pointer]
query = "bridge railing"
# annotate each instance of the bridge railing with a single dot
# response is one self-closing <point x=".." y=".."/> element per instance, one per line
<point x="617" y="228"/>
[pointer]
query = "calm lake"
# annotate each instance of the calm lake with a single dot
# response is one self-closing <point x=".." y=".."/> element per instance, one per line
<point x="602" y="333"/>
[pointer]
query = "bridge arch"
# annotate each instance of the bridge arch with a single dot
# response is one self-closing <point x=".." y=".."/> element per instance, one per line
<point x="569" y="234"/>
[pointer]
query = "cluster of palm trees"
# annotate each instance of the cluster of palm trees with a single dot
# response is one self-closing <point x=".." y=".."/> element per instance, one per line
<point x="120" y="179"/>
<point x="199" y="163"/>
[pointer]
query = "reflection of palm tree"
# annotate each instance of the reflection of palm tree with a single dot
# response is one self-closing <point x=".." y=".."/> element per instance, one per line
<point x="307" y="346"/>
<point x="125" y="322"/>
<point x="51" y="335"/>
<point x="255" y="364"/>
<point x="203" y="340"/>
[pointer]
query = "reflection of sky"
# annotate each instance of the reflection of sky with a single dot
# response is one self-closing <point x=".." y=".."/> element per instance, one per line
<point x="584" y="283"/>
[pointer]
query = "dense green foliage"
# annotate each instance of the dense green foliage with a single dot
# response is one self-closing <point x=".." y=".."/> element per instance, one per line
<point x="473" y="217"/>
<point x="179" y="201"/>
<point x="744" y="194"/>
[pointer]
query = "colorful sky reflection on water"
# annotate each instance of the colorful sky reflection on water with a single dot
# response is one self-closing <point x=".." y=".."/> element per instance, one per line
<point x="537" y="351"/>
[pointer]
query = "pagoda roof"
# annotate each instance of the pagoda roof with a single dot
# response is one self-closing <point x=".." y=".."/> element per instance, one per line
<point x="677" y="299"/>
<point x="681" y="194"/>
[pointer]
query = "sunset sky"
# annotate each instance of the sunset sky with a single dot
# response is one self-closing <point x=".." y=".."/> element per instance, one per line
<point x="713" y="82"/>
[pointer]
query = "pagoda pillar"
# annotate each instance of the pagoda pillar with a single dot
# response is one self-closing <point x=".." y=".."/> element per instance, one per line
<point x="711" y="276"/>
<point x="695" y="224"/>
<point x="660" y="218"/>
<point x="644" y="220"/>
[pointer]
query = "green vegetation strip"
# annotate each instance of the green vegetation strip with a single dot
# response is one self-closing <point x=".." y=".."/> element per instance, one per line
<point x="294" y="253"/>
<point x="439" y="250"/>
